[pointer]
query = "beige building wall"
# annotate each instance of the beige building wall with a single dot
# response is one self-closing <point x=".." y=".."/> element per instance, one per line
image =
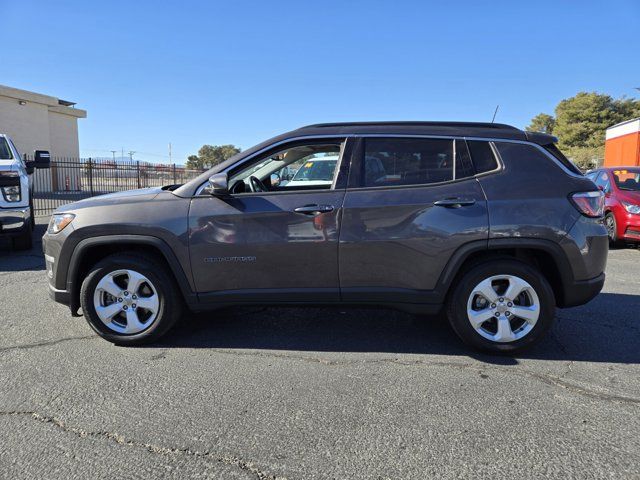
<point x="40" y="122"/>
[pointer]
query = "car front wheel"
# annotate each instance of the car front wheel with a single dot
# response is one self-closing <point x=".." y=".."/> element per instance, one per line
<point x="501" y="306"/>
<point x="130" y="299"/>
<point x="612" y="228"/>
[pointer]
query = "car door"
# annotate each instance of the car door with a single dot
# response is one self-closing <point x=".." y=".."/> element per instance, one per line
<point x="279" y="245"/>
<point x="410" y="204"/>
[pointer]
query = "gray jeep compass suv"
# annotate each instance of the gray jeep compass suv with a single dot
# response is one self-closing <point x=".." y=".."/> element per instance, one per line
<point x="486" y="221"/>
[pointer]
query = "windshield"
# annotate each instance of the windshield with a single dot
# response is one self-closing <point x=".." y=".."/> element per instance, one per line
<point x="627" y="179"/>
<point x="5" y="151"/>
<point x="316" y="170"/>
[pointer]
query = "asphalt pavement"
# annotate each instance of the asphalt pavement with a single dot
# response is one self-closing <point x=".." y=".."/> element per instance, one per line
<point x="316" y="393"/>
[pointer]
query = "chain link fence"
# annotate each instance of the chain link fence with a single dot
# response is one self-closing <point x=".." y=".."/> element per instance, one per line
<point x="72" y="179"/>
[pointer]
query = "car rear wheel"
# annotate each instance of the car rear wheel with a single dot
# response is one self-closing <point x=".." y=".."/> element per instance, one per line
<point x="130" y="299"/>
<point x="502" y="306"/>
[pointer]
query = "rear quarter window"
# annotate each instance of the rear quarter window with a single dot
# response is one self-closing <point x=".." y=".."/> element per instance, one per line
<point x="514" y="153"/>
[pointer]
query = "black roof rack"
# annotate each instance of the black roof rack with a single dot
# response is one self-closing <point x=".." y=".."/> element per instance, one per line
<point x="501" y="126"/>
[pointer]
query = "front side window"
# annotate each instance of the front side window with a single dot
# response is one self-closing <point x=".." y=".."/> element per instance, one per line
<point x="413" y="161"/>
<point x="5" y="151"/>
<point x="301" y="167"/>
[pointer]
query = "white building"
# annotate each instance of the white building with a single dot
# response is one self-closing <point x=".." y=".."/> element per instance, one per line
<point x="40" y="122"/>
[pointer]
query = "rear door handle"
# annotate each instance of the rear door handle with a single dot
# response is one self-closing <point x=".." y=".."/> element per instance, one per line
<point x="454" y="202"/>
<point x="314" y="209"/>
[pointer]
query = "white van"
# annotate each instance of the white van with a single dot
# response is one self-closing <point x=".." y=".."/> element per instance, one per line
<point x="16" y="193"/>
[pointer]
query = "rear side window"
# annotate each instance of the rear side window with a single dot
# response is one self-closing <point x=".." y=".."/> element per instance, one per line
<point x="482" y="155"/>
<point x="413" y="161"/>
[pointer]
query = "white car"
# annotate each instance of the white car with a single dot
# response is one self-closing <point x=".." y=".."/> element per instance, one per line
<point x="317" y="171"/>
<point x="16" y="187"/>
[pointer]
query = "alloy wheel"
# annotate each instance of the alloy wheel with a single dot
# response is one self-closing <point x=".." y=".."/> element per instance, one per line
<point x="503" y="308"/>
<point x="126" y="301"/>
<point x="610" y="223"/>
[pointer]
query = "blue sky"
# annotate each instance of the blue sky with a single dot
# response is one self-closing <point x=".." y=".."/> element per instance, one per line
<point x="190" y="73"/>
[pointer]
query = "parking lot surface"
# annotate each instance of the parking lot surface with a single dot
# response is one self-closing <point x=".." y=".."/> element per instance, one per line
<point x="316" y="393"/>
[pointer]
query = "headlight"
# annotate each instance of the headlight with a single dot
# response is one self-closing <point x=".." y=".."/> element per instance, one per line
<point x="11" y="193"/>
<point x="59" y="221"/>
<point x="631" y="208"/>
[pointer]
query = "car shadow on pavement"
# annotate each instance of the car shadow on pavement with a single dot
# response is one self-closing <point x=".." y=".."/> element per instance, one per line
<point x="19" y="260"/>
<point x="605" y="330"/>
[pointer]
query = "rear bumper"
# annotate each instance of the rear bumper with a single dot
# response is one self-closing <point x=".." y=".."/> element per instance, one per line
<point x="582" y="291"/>
<point x="14" y="220"/>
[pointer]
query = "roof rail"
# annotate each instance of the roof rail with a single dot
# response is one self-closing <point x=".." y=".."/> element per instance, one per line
<point x="415" y="123"/>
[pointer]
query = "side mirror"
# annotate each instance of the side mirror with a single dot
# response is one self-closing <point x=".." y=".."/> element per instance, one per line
<point x="275" y="179"/>
<point x="219" y="184"/>
<point x="42" y="159"/>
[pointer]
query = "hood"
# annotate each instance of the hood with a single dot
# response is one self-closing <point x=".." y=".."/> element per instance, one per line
<point x="629" y="196"/>
<point x="121" y="198"/>
<point x="9" y="165"/>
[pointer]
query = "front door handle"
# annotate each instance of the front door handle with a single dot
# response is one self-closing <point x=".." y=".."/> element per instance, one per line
<point x="314" y="209"/>
<point x="454" y="202"/>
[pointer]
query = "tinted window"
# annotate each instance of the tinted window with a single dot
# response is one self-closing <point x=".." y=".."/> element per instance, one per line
<point x="482" y="155"/>
<point x="5" y="152"/>
<point x="413" y="161"/>
<point x="510" y="152"/>
<point x="555" y="151"/>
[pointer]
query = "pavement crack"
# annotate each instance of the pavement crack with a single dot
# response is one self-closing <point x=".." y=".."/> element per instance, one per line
<point x="551" y="380"/>
<point x="48" y="343"/>
<point x="152" y="448"/>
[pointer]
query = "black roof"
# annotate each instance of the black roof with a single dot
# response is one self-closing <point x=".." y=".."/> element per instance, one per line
<point x="466" y="129"/>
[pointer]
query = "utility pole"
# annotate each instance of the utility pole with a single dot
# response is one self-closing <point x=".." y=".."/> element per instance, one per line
<point x="113" y="153"/>
<point x="131" y="152"/>
<point x="170" y="152"/>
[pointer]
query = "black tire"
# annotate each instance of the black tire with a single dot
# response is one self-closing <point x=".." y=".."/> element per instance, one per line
<point x="170" y="300"/>
<point x="612" y="229"/>
<point x="459" y="296"/>
<point x="32" y="214"/>
<point x="23" y="241"/>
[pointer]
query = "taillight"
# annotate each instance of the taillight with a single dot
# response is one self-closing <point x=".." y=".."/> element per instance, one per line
<point x="590" y="204"/>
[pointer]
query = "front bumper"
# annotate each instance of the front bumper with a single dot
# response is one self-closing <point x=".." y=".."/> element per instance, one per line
<point x="59" y="296"/>
<point x="14" y="220"/>
<point x="629" y="227"/>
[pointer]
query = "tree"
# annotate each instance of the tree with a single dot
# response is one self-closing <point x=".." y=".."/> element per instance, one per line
<point x="210" y="155"/>
<point x="543" y="122"/>
<point x="580" y="123"/>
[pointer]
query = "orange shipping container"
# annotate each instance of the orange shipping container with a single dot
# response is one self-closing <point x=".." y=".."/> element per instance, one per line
<point x="622" y="144"/>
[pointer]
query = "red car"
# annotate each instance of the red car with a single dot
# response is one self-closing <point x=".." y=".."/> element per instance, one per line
<point x="621" y="186"/>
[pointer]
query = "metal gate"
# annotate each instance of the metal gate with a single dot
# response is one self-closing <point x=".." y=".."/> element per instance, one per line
<point x="72" y="179"/>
